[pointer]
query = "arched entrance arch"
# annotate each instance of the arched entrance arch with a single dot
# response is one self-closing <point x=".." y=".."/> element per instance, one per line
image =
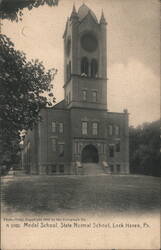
<point x="90" y="154"/>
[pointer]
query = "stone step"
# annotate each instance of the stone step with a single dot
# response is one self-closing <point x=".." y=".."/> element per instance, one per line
<point x="92" y="169"/>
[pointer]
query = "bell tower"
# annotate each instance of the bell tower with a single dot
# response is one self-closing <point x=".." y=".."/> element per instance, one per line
<point x="85" y="60"/>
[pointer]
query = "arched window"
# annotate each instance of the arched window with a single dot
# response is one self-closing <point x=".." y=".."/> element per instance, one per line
<point x="84" y="66"/>
<point x="94" y="68"/>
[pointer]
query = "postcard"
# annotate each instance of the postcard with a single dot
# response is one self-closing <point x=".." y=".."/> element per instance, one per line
<point x="80" y="160"/>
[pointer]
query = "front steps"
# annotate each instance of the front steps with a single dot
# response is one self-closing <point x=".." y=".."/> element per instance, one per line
<point x="92" y="169"/>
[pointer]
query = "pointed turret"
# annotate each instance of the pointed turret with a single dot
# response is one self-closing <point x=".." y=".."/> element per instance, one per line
<point x="102" y="19"/>
<point x="74" y="14"/>
<point x="74" y="9"/>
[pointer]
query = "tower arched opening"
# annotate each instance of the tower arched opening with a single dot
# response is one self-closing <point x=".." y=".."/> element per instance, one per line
<point x="84" y="66"/>
<point x="94" y="68"/>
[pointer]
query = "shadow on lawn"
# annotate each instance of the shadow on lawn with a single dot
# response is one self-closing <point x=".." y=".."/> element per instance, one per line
<point x="99" y="193"/>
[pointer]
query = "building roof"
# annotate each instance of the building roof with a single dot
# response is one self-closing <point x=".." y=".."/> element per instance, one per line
<point x="83" y="12"/>
<point x="60" y="105"/>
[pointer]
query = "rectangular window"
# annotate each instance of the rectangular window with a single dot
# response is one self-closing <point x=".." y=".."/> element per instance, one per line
<point x="84" y="95"/>
<point x="54" y="145"/>
<point x="61" y="150"/>
<point x="111" y="168"/>
<point x="53" y="127"/>
<point x="104" y="148"/>
<point x="110" y="130"/>
<point x="53" y="168"/>
<point x="95" y="128"/>
<point x="76" y="148"/>
<point x="61" y="168"/>
<point x="94" y="96"/>
<point x="61" y="128"/>
<point x="84" y="128"/>
<point x="118" y="146"/>
<point x="117" y="130"/>
<point x="111" y="150"/>
<point x="118" y="168"/>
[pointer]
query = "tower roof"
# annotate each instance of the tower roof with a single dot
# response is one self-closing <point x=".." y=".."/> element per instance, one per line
<point x="103" y="20"/>
<point x="83" y="12"/>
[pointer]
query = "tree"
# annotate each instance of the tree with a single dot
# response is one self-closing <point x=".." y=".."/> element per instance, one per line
<point x="22" y="85"/>
<point x="145" y="155"/>
<point x="22" y="95"/>
<point x="12" y="9"/>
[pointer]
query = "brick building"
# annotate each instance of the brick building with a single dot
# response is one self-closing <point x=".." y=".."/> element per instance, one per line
<point x="79" y="134"/>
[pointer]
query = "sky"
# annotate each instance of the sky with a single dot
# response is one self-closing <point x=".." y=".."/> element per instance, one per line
<point x="133" y="50"/>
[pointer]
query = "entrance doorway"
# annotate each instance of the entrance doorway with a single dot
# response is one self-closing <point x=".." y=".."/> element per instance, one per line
<point x="90" y="154"/>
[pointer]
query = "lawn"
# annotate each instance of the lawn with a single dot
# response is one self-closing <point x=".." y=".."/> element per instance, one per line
<point x="52" y="194"/>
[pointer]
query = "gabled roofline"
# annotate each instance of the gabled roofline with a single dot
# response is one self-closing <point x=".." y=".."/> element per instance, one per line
<point x="89" y="13"/>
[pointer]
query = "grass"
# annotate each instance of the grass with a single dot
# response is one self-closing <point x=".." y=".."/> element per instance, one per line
<point x="111" y="193"/>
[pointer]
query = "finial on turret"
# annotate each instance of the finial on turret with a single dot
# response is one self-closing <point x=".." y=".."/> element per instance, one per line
<point x="74" y="9"/>
<point x="74" y="13"/>
<point x="102" y="19"/>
